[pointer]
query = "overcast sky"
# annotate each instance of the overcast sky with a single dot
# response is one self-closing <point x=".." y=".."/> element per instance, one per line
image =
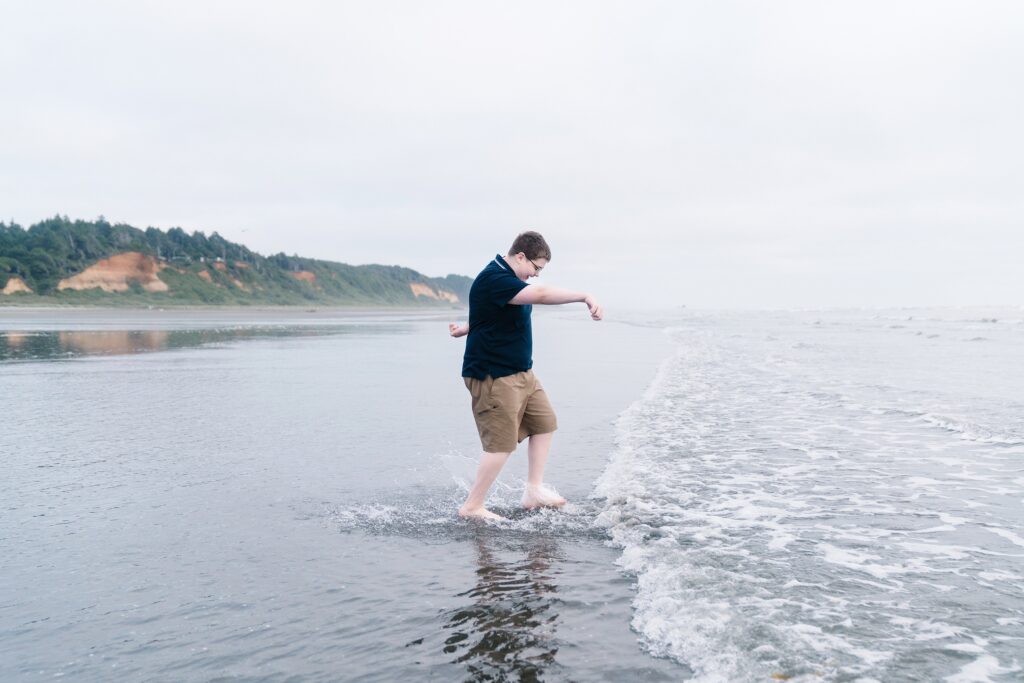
<point x="714" y="154"/>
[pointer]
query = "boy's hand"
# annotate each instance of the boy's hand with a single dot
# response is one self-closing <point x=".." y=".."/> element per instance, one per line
<point x="596" y="312"/>
<point x="457" y="330"/>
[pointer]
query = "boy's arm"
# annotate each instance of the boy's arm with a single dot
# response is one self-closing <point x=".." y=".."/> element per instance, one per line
<point x="543" y="294"/>
<point x="457" y="330"/>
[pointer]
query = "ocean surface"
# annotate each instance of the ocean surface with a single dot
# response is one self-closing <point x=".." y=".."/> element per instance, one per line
<point x="270" y="496"/>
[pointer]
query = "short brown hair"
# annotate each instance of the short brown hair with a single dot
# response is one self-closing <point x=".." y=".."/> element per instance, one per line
<point x="532" y="244"/>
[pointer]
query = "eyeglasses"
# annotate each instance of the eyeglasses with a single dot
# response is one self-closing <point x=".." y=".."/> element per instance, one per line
<point x="536" y="268"/>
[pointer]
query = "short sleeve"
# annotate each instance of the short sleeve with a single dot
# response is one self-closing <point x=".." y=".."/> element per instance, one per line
<point x="503" y="288"/>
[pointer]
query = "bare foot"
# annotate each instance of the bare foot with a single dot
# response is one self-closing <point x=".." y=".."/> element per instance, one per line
<point x="480" y="513"/>
<point x="542" y="497"/>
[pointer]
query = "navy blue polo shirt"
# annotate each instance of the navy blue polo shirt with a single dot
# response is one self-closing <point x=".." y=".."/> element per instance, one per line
<point x="500" y="340"/>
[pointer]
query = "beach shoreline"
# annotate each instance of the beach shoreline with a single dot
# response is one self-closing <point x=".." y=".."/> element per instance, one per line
<point x="370" y="308"/>
<point x="83" y="317"/>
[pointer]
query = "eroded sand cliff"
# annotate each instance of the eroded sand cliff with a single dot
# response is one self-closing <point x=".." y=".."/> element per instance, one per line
<point x="15" y="285"/>
<point x="420" y="289"/>
<point x="118" y="273"/>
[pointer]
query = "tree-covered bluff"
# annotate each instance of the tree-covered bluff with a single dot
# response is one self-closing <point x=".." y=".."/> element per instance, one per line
<point x="63" y="261"/>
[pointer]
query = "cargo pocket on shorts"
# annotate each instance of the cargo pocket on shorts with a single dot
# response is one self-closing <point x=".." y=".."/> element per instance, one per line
<point x="485" y="401"/>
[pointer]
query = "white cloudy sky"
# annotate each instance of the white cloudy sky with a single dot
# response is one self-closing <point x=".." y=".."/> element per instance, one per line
<point x="759" y="154"/>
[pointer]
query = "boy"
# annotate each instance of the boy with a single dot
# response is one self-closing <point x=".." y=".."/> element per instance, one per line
<point x="509" y="403"/>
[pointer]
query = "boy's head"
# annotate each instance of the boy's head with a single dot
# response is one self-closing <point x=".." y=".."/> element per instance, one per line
<point x="532" y="245"/>
<point x="529" y="255"/>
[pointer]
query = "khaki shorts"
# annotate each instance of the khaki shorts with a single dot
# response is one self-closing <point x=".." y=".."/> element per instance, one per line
<point x="509" y="409"/>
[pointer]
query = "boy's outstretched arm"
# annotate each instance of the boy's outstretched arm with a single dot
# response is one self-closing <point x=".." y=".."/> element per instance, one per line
<point x="543" y="294"/>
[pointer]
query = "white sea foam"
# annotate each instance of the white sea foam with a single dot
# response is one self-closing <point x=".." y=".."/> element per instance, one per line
<point x="969" y="430"/>
<point x="860" y="561"/>
<point x="1013" y="538"/>
<point x="778" y="512"/>
<point x="982" y="669"/>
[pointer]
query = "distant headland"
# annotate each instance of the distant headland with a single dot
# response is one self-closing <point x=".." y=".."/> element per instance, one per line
<point x="60" y="261"/>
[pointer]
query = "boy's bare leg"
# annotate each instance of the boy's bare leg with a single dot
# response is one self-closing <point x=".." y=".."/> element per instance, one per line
<point x="486" y="472"/>
<point x="537" y="495"/>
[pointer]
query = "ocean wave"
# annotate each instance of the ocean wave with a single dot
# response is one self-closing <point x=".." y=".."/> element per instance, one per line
<point x="965" y="429"/>
<point x="686" y="606"/>
<point x="775" y="532"/>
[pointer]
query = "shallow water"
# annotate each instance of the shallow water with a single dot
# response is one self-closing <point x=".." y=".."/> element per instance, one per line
<point x="271" y="496"/>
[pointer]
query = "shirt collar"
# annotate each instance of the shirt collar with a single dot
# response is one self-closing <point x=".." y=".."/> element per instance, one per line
<point x="502" y="263"/>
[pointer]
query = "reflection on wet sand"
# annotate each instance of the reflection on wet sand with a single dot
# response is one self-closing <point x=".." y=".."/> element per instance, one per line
<point x="71" y="344"/>
<point x="52" y="345"/>
<point x="15" y="340"/>
<point x="507" y="629"/>
<point x="119" y="342"/>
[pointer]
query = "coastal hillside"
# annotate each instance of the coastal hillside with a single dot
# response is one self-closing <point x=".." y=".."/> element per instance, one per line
<point x="80" y="262"/>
